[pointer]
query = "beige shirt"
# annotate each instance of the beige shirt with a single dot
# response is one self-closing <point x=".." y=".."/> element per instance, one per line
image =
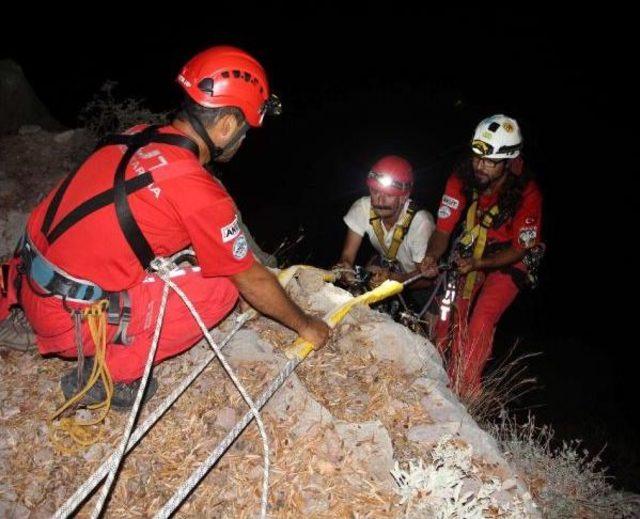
<point x="413" y="247"/>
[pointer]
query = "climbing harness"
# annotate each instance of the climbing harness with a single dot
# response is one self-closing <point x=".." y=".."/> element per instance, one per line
<point x="476" y="229"/>
<point x="399" y="232"/>
<point x="119" y="193"/>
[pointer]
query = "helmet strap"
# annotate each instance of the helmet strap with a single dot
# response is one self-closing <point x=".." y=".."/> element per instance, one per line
<point x="214" y="151"/>
<point x="196" y="124"/>
<point x="242" y="131"/>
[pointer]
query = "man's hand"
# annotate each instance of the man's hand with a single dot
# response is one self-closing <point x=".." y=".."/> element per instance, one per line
<point x="429" y="266"/>
<point x="345" y="273"/>
<point x="316" y="331"/>
<point x="379" y="275"/>
<point x="466" y="265"/>
<point x="263" y="292"/>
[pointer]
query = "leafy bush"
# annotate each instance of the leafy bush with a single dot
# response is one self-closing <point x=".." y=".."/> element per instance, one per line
<point x="105" y="113"/>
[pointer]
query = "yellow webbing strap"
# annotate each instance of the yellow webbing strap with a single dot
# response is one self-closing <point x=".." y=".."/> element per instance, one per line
<point x="301" y="348"/>
<point x="476" y="232"/>
<point x="85" y="433"/>
<point x="399" y="232"/>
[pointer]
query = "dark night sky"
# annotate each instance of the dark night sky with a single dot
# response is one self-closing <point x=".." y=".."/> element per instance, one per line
<point x="415" y="83"/>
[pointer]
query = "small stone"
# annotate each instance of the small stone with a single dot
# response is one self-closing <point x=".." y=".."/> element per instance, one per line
<point x="84" y="415"/>
<point x="95" y="452"/>
<point x="509" y="484"/>
<point x="34" y="494"/>
<point x="7" y="492"/>
<point x="42" y="456"/>
<point x="226" y="418"/>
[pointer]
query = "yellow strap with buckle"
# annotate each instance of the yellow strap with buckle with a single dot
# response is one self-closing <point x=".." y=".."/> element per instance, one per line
<point x="301" y="348"/>
<point x="476" y="232"/>
<point x="399" y="232"/>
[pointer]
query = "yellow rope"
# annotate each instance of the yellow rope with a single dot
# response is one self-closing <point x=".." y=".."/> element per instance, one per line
<point x="85" y="433"/>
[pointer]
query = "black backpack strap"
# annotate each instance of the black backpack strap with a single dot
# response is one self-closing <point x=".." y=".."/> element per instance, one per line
<point x="118" y="195"/>
<point x="130" y="228"/>
<point x="55" y="203"/>
<point x="97" y="202"/>
<point x="177" y="140"/>
<point x="147" y="136"/>
<point x="126" y="139"/>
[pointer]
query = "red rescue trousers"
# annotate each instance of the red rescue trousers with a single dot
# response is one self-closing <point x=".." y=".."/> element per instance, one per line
<point x="213" y="298"/>
<point x="470" y="328"/>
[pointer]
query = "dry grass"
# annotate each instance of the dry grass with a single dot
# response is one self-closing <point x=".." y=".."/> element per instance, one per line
<point x="565" y="479"/>
<point x="500" y="388"/>
<point x="315" y="473"/>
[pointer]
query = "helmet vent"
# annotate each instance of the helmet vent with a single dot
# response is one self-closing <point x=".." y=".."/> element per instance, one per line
<point x="493" y="127"/>
<point x="236" y="74"/>
<point x="226" y="74"/>
<point x="206" y="85"/>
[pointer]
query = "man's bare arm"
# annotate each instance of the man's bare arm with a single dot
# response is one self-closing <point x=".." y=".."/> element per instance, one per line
<point x="350" y="249"/>
<point x="438" y="244"/>
<point x="262" y="290"/>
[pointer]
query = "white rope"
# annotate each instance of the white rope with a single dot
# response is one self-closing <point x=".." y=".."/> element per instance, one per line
<point x="164" y="269"/>
<point x="130" y="439"/>
<point x="254" y="410"/>
<point x="197" y="475"/>
<point x="94" y="480"/>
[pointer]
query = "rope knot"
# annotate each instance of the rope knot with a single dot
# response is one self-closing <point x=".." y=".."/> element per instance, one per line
<point x="163" y="266"/>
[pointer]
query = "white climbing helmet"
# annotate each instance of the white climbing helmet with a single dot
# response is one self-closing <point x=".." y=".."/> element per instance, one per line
<point x="497" y="137"/>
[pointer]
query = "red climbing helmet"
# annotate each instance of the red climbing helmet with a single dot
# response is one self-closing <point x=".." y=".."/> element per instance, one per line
<point x="228" y="76"/>
<point x="392" y="175"/>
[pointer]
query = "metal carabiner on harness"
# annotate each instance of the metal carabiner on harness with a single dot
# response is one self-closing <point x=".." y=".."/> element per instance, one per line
<point x="449" y="296"/>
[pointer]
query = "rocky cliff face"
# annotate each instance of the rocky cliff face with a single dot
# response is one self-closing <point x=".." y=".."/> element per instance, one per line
<point x="365" y="427"/>
<point x="32" y="161"/>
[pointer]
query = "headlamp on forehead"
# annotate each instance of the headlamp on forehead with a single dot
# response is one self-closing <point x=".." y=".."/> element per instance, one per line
<point x="272" y="106"/>
<point x="481" y="148"/>
<point x="387" y="181"/>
